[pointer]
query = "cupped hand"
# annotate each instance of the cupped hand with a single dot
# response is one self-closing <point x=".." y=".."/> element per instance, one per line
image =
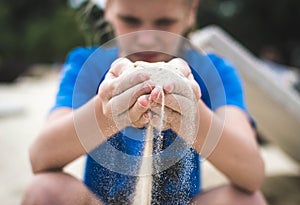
<point x="125" y="95"/>
<point x="180" y="100"/>
<point x="134" y="99"/>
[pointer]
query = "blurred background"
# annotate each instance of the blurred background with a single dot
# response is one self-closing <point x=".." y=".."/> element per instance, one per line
<point x="36" y="36"/>
<point x="35" y="31"/>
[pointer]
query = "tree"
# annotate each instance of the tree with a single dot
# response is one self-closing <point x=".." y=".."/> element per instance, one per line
<point x="35" y="31"/>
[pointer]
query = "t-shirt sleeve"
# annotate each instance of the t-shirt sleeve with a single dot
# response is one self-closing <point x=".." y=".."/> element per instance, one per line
<point x="219" y="81"/>
<point x="231" y="82"/>
<point x="70" y="70"/>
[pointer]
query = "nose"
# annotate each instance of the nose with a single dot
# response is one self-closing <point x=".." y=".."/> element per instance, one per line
<point x="146" y="39"/>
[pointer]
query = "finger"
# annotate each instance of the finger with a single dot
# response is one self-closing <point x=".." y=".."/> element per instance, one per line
<point x="186" y="87"/>
<point x="137" y="116"/>
<point x="195" y="87"/>
<point x="168" y="114"/>
<point x="170" y="119"/>
<point x="156" y="94"/>
<point x="129" y="80"/>
<point x="105" y="90"/>
<point x="124" y="101"/>
<point x="116" y="82"/>
<point x="177" y="103"/>
<point x="118" y="67"/>
<point x="142" y="122"/>
<point x="169" y="101"/>
<point x="107" y="87"/>
<point x="183" y="68"/>
<point x="113" y="87"/>
<point x="138" y="110"/>
<point x="180" y="66"/>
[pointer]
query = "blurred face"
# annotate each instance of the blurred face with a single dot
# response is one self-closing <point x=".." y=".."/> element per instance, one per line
<point x="151" y="26"/>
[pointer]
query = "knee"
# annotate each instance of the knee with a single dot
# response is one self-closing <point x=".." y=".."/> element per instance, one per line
<point x="235" y="194"/>
<point x="42" y="190"/>
<point x="229" y="194"/>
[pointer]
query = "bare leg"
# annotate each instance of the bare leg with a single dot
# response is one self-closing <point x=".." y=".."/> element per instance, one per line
<point x="228" y="195"/>
<point x="58" y="188"/>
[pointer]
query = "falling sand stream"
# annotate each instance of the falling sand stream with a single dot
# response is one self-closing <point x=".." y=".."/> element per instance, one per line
<point x="161" y="74"/>
<point x="143" y="189"/>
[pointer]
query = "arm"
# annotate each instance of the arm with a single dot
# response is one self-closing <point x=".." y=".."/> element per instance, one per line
<point x="68" y="134"/>
<point x="236" y="153"/>
<point x="58" y="143"/>
<point x="225" y="137"/>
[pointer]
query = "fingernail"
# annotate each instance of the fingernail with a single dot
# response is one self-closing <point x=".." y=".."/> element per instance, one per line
<point x="149" y="86"/>
<point x="154" y="94"/>
<point x="143" y="101"/>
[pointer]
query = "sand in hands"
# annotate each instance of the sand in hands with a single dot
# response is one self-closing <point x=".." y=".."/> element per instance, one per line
<point x="161" y="74"/>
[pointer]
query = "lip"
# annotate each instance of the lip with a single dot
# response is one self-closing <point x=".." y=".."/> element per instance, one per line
<point x="149" y="56"/>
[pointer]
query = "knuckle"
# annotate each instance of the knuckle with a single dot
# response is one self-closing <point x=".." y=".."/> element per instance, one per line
<point x="137" y="124"/>
<point x="140" y="123"/>
<point x="101" y="95"/>
<point x="106" y="111"/>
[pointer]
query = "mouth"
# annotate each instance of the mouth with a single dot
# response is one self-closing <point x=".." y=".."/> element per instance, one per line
<point x="148" y="56"/>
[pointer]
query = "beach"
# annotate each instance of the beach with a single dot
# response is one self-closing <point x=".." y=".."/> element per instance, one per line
<point x="24" y="106"/>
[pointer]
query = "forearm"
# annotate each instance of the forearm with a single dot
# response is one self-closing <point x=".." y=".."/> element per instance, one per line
<point x="239" y="160"/>
<point x="68" y="136"/>
<point x="228" y="142"/>
<point x="56" y="145"/>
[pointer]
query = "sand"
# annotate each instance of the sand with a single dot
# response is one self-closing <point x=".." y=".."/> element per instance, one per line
<point x="32" y="97"/>
<point x="161" y="74"/>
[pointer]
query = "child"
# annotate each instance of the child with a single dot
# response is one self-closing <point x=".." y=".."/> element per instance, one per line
<point x="96" y="90"/>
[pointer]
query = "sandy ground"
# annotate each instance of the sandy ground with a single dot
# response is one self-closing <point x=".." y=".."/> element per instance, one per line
<point x="23" y="108"/>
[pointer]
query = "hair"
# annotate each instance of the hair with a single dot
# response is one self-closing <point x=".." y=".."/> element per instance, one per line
<point x="93" y="24"/>
<point x="96" y="29"/>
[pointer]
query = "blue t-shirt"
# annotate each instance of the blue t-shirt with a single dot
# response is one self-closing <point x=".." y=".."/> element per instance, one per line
<point x="111" y="167"/>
